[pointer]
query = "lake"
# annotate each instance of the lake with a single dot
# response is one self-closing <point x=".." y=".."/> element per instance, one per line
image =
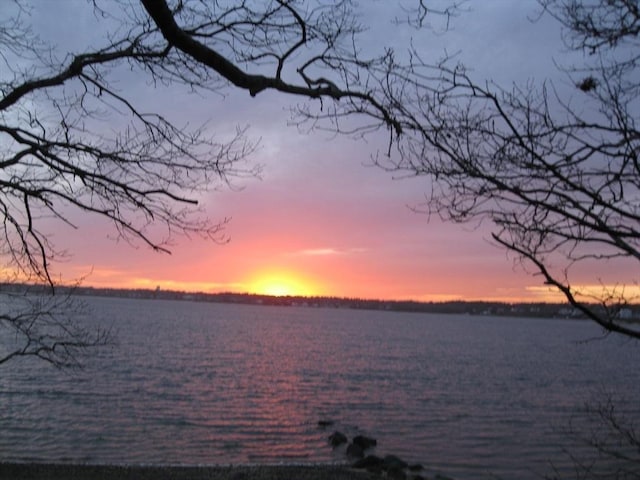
<point x="203" y="383"/>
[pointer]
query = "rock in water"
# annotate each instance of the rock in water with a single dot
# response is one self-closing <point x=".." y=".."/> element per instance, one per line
<point x="337" y="438"/>
<point x="364" y="442"/>
<point x="370" y="462"/>
<point x="392" y="462"/>
<point x="355" y="451"/>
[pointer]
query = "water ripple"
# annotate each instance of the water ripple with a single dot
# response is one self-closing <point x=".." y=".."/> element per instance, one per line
<point x="195" y="383"/>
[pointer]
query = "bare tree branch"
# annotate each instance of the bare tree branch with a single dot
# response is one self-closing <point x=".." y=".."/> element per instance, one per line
<point x="256" y="83"/>
<point x="146" y="175"/>
<point x="46" y="326"/>
<point x="559" y="183"/>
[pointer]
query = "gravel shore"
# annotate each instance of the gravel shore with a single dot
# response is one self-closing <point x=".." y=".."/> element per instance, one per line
<point x="37" y="471"/>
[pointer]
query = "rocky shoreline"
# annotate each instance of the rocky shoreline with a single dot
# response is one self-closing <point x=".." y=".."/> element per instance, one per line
<point x="361" y="463"/>
<point x="358" y="452"/>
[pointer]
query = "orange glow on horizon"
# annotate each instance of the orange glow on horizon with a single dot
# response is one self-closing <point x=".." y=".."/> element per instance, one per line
<point x="290" y="279"/>
<point x="280" y="284"/>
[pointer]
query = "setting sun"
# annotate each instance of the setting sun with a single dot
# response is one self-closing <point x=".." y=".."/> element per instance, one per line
<point x="282" y="284"/>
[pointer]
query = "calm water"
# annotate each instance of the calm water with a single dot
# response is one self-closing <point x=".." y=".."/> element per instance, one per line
<point x="196" y="383"/>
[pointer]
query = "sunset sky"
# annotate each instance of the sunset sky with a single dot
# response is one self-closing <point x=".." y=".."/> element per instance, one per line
<point x="320" y="221"/>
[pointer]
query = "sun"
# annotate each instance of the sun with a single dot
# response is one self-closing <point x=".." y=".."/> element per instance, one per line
<point x="279" y="290"/>
<point x="281" y="284"/>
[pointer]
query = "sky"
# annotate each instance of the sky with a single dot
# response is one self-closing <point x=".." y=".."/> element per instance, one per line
<point x="321" y="220"/>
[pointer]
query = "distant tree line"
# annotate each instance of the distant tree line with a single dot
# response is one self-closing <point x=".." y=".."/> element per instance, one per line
<point x="461" y="307"/>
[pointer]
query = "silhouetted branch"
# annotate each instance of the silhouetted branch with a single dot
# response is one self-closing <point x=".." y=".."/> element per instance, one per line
<point x="317" y="87"/>
<point x="611" y="440"/>
<point x="560" y="184"/>
<point x="46" y="326"/>
<point x="146" y="174"/>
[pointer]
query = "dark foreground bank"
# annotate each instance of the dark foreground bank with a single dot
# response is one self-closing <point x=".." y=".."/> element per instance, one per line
<point x="37" y="471"/>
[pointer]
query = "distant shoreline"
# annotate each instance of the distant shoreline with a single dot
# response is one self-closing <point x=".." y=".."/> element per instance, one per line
<point x="47" y="471"/>
<point x="459" y="307"/>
